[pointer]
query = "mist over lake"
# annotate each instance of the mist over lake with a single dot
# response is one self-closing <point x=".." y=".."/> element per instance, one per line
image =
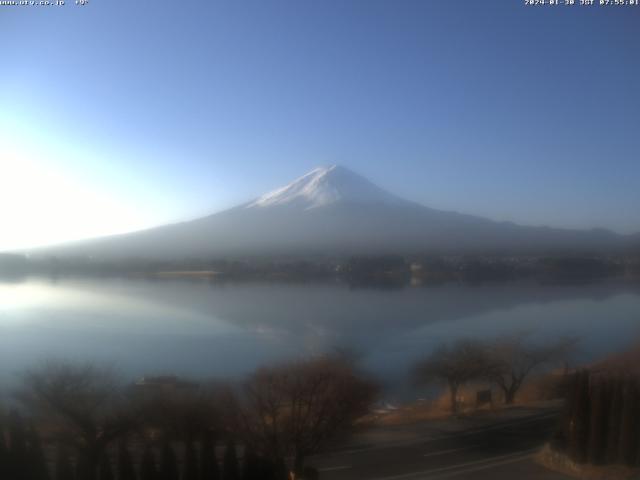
<point x="201" y="329"/>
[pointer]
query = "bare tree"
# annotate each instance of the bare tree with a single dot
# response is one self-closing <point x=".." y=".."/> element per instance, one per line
<point x="83" y="406"/>
<point x="453" y="365"/>
<point x="294" y="410"/>
<point x="513" y="358"/>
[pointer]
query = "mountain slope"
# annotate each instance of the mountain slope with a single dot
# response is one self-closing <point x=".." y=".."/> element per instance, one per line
<point x="333" y="210"/>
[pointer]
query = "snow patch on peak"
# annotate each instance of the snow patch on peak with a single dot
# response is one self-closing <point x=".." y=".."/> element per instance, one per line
<point x="326" y="186"/>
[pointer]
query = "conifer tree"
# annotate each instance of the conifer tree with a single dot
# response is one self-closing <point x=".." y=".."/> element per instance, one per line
<point x="208" y="460"/>
<point x="85" y="469"/>
<point x="615" y="409"/>
<point x="105" y="472"/>
<point x="580" y="422"/>
<point x="272" y="470"/>
<point x="37" y="463"/>
<point x="126" y="470"/>
<point x="230" y="469"/>
<point x="18" y="457"/>
<point x="638" y="452"/>
<point x="169" y="463"/>
<point x="4" y="454"/>
<point x="148" y="468"/>
<point x="598" y="423"/>
<point x="63" y="467"/>
<point x="563" y="436"/>
<point x="280" y="470"/>
<point x="310" y="473"/>
<point x="628" y="424"/>
<point x="251" y="466"/>
<point x="190" y="461"/>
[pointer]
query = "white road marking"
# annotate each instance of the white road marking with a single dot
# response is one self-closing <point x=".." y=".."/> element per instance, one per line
<point x="333" y="469"/>
<point x="483" y="467"/>
<point x="464" y="433"/>
<point x="445" y="452"/>
<point x="476" y="465"/>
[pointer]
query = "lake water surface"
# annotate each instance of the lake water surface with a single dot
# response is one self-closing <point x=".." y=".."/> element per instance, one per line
<point x="202" y="329"/>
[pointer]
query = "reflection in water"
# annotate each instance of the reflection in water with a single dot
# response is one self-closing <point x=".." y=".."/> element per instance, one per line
<point x="200" y="329"/>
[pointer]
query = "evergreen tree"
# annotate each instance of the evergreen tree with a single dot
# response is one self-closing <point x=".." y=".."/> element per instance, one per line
<point x="310" y="473"/>
<point x="230" y="469"/>
<point x="37" y="463"/>
<point x="270" y="470"/>
<point x="563" y="435"/>
<point x="208" y="460"/>
<point x="169" y="463"/>
<point x="598" y="425"/>
<point x="126" y="470"/>
<point x="190" y="461"/>
<point x="18" y="455"/>
<point x="4" y="455"/>
<point x="280" y="470"/>
<point x="251" y="466"/>
<point x="579" y="438"/>
<point x="85" y="468"/>
<point x="628" y="424"/>
<point x="63" y="467"/>
<point x="105" y="472"/>
<point x="148" y="468"/>
<point x="615" y="409"/>
<point x="638" y="452"/>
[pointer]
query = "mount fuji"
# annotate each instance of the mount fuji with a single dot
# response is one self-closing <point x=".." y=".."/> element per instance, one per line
<point x="325" y="186"/>
<point x="332" y="210"/>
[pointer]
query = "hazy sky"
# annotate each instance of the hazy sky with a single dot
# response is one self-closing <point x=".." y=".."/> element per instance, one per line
<point x="124" y="114"/>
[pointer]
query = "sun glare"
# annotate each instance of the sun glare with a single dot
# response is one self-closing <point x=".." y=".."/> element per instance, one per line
<point x="41" y="204"/>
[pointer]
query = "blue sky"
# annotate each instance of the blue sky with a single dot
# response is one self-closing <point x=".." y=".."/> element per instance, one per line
<point x="120" y="115"/>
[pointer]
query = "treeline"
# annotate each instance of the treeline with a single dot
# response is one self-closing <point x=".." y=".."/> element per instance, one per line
<point x="382" y="271"/>
<point x="23" y="457"/>
<point x="371" y="270"/>
<point x="601" y="421"/>
<point x="21" y="452"/>
<point x="545" y="269"/>
<point x="15" y="266"/>
<point x="80" y="423"/>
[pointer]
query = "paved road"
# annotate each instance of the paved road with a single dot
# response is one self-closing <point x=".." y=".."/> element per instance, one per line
<point x="501" y="450"/>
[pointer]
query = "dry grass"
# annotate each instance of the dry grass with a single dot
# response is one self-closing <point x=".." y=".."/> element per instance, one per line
<point x="538" y="389"/>
<point x="559" y="462"/>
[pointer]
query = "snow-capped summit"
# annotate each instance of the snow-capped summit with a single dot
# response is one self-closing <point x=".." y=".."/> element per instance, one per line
<point x="326" y="186"/>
